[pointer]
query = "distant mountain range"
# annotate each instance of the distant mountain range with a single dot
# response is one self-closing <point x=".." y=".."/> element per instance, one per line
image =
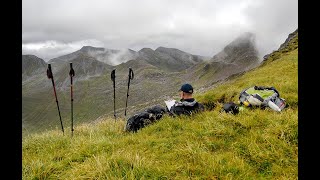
<point x="168" y="59"/>
<point x="158" y="74"/>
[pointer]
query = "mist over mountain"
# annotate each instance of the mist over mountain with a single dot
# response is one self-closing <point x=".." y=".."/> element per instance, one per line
<point x="241" y="51"/>
<point x="113" y="57"/>
<point x="238" y="56"/>
<point x="108" y="56"/>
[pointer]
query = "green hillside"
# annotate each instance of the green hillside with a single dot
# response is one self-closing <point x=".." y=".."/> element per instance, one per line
<point x="255" y="144"/>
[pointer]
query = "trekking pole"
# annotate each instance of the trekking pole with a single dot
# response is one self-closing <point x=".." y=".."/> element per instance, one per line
<point x="50" y="76"/>
<point x="130" y="78"/>
<point x="113" y="78"/>
<point x="71" y="73"/>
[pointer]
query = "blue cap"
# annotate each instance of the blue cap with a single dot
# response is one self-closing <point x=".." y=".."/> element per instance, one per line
<point x="187" y="88"/>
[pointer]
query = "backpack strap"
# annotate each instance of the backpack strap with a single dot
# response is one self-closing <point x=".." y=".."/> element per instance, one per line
<point x="267" y="88"/>
<point x="274" y="89"/>
<point x="243" y="96"/>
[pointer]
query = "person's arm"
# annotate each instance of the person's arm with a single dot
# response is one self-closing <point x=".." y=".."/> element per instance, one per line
<point x="171" y="112"/>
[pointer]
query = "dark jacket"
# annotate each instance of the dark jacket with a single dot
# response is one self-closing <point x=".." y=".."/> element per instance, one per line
<point x="186" y="107"/>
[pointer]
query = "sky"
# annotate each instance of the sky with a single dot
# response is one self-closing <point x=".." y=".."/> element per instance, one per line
<point x="52" y="28"/>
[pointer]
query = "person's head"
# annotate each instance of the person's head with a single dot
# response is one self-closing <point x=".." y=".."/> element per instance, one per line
<point x="186" y="91"/>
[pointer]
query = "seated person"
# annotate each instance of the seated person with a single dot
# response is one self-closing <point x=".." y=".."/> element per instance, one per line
<point x="187" y="104"/>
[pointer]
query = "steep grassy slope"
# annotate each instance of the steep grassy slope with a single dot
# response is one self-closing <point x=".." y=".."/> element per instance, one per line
<point x="279" y="70"/>
<point x="255" y="144"/>
<point x="281" y="74"/>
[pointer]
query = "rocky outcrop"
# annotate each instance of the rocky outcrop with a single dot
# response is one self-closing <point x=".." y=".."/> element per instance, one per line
<point x="289" y="44"/>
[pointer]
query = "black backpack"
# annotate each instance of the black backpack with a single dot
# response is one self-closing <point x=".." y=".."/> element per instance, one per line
<point x="230" y="107"/>
<point x="144" y="118"/>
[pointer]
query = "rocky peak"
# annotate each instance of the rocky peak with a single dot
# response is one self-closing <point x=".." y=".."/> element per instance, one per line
<point x="290" y="37"/>
<point x="145" y="50"/>
<point x="90" y="48"/>
<point x="239" y="51"/>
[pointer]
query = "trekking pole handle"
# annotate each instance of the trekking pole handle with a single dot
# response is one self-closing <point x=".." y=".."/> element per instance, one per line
<point x="131" y="75"/>
<point x="113" y="74"/>
<point x="49" y="72"/>
<point x="71" y="72"/>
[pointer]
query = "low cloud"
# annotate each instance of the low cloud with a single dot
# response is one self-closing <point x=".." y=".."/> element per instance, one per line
<point x="203" y="27"/>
